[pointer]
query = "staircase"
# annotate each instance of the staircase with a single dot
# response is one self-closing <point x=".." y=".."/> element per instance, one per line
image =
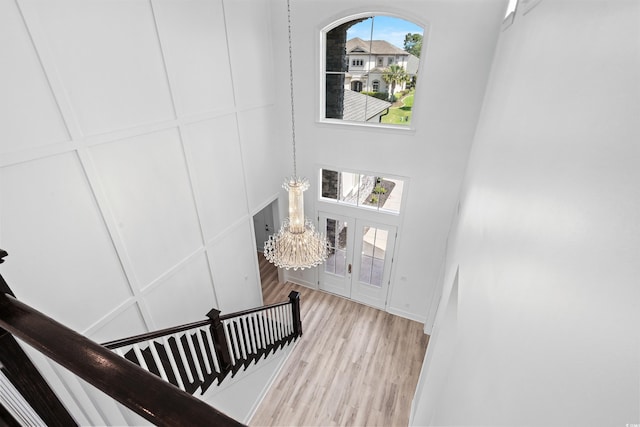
<point x="195" y="356"/>
<point x="191" y="357"/>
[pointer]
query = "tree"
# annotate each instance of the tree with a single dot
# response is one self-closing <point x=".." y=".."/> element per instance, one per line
<point x="394" y="75"/>
<point x="413" y="43"/>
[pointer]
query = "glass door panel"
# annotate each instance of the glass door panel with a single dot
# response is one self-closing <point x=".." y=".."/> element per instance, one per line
<point x="374" y="247"/>
<point x="336" y="232"/>
<point x="335" y="273"/>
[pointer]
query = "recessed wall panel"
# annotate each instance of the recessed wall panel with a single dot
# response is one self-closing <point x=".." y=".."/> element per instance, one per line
<point x="147" y="186"/>
<point x="267" y="160"/>
<point x="109" y="60"/>
<point x="125" y="324"/>
<point x="251" y="53"/>
<point x="194" y="43"/>
<point x="214" y="150"/>
<point x="25" y="95"/>
<point x="233" y="259"/>
<point x="61" y="259"/>
<point x="183" y="297"/>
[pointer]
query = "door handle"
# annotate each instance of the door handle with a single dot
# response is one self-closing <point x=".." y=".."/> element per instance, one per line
<point x="349" y="269"/>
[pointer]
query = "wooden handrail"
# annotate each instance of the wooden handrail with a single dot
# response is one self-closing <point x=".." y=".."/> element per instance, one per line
<point x="146" y="394"/>
<point x="253" y="310"/>
<point x="176" y="329"/>
<point x="155" y="334"/>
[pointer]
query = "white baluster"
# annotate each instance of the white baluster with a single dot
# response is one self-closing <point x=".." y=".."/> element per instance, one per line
<point x="280" y="322"/>
<point x="243" y="349"/>
<point x="172" y="362"/>
<point x="248" y="334"/>
<point x="255" y="327"/>
<point x="183" y="357"/>
<point x="274" y="324"/>
<point x="16" y="405"/>
<point x="203" y="352"/>
<point x="216" y="365"/>
<point x="263" y="333"/>
<point x="267" y="326"/>
<point x="194" y="355"/>
<point x="141" y="361"/>
<point x="289" y="311"/>
<point x="156" y="358"/>
<point x="285" y="321"/>
<point x="231" y="338"/>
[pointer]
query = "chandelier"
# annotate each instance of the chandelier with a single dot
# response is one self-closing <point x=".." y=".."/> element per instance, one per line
<point x="297" y="245"/>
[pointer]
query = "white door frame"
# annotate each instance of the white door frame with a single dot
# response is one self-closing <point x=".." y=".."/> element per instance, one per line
<point x="340" y="275"/>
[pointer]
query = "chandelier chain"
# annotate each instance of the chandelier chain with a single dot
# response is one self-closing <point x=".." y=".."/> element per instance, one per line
<point x="293" y="122"/>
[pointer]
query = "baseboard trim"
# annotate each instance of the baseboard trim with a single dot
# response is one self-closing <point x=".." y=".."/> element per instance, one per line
<point x="298" y="281"/>
<point x="406" y="314"/>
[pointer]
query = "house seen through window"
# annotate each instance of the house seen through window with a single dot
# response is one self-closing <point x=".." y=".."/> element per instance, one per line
<point x="371" y="69"/>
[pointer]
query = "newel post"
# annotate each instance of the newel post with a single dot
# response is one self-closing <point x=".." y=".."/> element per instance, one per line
<point x="294" y="298"/>
<point x="220" y="340"/>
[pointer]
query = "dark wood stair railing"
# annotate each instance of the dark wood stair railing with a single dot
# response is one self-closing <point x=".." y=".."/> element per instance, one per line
<point x="148" y="395"/>
<point x="195" y="355"/>
<point x="154" y="374"/>
<point x="27" y="380"/>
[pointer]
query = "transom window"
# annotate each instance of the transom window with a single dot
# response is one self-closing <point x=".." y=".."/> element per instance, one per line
<point x="361" y="190"/>
<point x="379" y="52"/>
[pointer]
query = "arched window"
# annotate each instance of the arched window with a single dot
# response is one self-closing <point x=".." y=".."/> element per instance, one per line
<point x="370" y="62"/>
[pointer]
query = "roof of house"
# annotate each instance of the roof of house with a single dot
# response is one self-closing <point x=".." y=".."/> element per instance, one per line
<point x="374" y="47"/>
<point x="357" y="104"/>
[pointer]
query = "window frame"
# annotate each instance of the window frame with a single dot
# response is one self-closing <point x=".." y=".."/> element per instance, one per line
<point x="323" y="202"/>
<point x="322" y="72"/>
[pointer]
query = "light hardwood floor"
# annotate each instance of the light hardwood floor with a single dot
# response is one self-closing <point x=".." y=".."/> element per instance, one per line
<point x="354" y="365"/>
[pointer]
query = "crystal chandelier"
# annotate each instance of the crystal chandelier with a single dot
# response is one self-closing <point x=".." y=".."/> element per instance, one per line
<point x="297" y="245"/>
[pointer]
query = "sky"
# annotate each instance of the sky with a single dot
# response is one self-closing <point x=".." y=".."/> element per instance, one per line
<point x="386" y="28"/>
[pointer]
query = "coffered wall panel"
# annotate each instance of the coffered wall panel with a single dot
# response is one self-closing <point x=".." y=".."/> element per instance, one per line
<point x="23" y="82"/>
<point x="214" y="151"/>
<point x="61" y="257"/>
<point x="258" y="143"/>
<point x="123" y="165"/>
<point x="109" y="60"/>
<point x="184" y="296"/>
<point x="149" y="195"/>
<point x="237" y="284"/>
<point x="249" y="38"/>
<point x="126" y="322"/>
<point x="187" y="28"/>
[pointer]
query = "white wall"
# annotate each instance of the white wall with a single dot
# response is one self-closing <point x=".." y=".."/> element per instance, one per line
<point x="548" y="240"/>
<point x="460" y="43"/>
<point x="137" y="140"/>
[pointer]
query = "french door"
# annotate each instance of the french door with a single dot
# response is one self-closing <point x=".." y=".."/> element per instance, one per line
<point x="359" y="263"/>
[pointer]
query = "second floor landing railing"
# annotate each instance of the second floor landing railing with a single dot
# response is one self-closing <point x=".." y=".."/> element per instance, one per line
<point x="147" y="395"/>
<point x="194" y="356"/>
